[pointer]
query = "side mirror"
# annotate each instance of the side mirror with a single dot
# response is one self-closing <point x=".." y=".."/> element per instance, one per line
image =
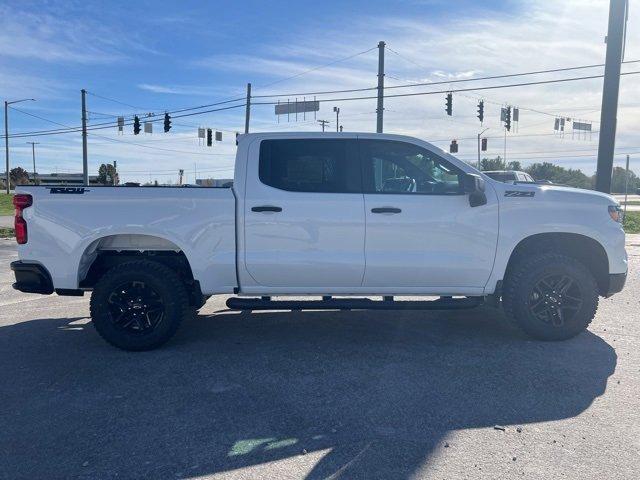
<point x="474" y="185"/>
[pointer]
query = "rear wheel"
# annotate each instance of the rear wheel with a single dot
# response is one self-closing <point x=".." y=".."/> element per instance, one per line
<point x="138" y="305"/>
<point x="550" y="296"/>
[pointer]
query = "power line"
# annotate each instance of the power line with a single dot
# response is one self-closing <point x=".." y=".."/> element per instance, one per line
<point x="494" y="77"/>
<point x="439" y="92"/>
<point x="151" y="119"/>
<point x="106" y="126"/>
<point x="318" y="67"/>
<point x="115" y="101"/>
<point x="442" y="82"/>
<point x="158" y="148"/>
<point x="125" y="142"/>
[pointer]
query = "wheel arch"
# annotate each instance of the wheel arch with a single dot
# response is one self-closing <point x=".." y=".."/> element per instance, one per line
<point x="582" y="248"/>
<point x="107" y="251"/>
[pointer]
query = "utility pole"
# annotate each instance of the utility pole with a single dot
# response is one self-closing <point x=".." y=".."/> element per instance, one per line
<point x="6" y="137"/>
<point x="115" y="173"/>
<point x="323" y="123"/>
<point x="380" y="109"/>
<point x="6" y="142"/>
<point x="247" y="114"/>
<point x="180" y="174"/>
<point x="337" y="110"/>
<point x="33" y="155"/>
<point x="85" y="163"/>
<point x="505" y="147"/>
<point x="610" y="89"/>
<point x="626" y="188"/>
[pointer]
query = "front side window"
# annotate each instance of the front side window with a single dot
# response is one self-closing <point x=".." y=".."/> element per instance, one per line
<point x="310" y="165"/>
<point x="399" y="167"/>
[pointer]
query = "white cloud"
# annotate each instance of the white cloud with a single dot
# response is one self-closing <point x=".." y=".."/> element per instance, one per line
<point x="191" y="90"/>
<point x="59" y="35"/>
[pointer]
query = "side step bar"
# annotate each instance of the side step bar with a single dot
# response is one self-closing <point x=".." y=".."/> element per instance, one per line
<point x="329" y="303"/>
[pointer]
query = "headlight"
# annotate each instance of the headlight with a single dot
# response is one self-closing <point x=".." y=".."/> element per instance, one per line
<point x="615" y="212"/>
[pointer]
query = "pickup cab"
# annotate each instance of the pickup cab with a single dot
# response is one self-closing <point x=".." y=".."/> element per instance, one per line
<point x="341" y="217"/>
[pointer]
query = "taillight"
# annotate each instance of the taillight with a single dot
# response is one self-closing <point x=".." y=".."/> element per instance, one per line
<point x="21" y="201"/>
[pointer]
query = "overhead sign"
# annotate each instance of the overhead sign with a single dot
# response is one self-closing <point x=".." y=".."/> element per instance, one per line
<point x="289" y="108"/>
<point x="582" y="126"/>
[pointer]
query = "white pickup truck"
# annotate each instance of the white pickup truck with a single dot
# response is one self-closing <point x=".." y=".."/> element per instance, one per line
<point x="342" y="216"/>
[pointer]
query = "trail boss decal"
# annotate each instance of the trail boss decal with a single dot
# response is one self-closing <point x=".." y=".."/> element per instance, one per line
<point x="518" y="193"/>
<point x="69" y="190"/>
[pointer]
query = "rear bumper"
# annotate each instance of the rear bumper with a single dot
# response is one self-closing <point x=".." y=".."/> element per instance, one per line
<point x="616" y="283"/>
<point x="31" y="278"/>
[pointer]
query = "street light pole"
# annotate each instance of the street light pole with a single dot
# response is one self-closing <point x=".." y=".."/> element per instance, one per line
<point x="6" y="142"/>
<point x="6" y="136"/>
<point x="626" y="189"/>
<point x="33" y="154"/>
<point x="479" y="135"/>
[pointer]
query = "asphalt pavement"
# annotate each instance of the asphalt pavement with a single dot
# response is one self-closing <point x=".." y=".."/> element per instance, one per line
<point x="292" y="395"/>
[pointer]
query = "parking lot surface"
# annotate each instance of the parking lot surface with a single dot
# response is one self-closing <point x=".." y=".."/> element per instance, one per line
<point x="288" y="395"/>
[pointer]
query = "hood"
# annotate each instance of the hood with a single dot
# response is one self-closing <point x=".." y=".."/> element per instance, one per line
<point x="553" y="192"/>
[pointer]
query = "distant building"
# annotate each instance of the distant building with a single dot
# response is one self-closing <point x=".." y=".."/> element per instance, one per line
<point x="214" y="182"/>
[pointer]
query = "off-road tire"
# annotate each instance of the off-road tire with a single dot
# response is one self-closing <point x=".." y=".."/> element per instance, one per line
<point x="524" y="303"/>
<point x="150" y="281"/>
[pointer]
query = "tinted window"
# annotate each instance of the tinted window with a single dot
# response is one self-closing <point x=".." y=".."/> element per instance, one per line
<point x="329" y="166"/>
<point x="398" y="167"/>
<point x="502" y="177"/>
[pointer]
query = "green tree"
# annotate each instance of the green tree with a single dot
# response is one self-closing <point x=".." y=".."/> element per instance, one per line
<point x="514" y="165"/>
<point x="106" y="174"/>
<point x="557" y="174"/>
<point x="618" y="180"/>
<point x="18" y="176"/>
<point x="492" y="164"/>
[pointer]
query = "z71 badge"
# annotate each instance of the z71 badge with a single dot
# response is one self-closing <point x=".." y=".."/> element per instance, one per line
<point x="518" y="193"/>
<point x="69" y="190"/>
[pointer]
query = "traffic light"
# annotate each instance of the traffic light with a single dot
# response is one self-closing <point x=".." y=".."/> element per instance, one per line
<point x="507" y="118"/>
<point x="481" y="111"/>
<point x="167" y="122"/>
<point x="449" y="104"/>
<point x="136" y="125"/>
<point x="209" y="137"/>
<point x="484" y="144"/>
<point x="453" y="148"/>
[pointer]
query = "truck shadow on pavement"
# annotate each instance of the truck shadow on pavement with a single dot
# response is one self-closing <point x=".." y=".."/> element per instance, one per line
<point x="363" y="394"/>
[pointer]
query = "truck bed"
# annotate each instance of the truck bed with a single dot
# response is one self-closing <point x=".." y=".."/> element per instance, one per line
<point x="65" y="225"/>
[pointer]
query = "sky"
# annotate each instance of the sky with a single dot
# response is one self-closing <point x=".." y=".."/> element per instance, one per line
<point x="150" y="57"/>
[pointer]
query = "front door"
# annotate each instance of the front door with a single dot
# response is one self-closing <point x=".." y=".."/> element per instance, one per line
<point x="422" y="234"/>
<point x="304" y="216"/>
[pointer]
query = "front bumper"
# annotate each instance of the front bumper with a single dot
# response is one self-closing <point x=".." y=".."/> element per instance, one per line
<point x="32" y="278"/>
<point x="616" y="283"/>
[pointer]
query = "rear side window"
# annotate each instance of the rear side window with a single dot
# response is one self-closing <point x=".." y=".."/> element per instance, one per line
<point x="311" y="165"/>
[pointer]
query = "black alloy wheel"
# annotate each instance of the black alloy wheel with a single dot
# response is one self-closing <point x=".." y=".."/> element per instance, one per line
<point x="555" y="299"/>
<point x="136" y="308"/>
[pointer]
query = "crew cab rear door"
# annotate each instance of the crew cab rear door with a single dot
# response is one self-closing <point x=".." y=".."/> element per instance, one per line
<point x="422" y="234"/>
<point x="304" y="216"/>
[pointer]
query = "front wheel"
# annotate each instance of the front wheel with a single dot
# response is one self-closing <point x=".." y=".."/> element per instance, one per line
<point x="550" y="296"/>
<point x="138" y="305"/>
